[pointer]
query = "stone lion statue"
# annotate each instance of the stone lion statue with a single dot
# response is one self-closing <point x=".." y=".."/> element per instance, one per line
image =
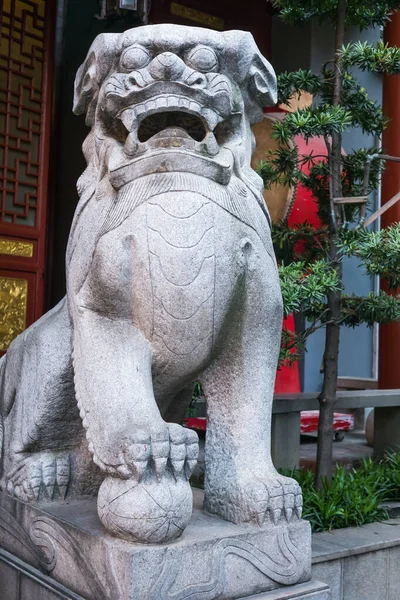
<point x="171" y="277"/>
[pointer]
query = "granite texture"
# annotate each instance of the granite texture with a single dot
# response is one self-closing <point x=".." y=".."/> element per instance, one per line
<point x="171" y="277"/>
<point x="212" y="559"/>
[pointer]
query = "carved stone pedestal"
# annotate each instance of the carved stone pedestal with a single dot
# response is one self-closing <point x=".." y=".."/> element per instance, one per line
<point x="65" y="549"/>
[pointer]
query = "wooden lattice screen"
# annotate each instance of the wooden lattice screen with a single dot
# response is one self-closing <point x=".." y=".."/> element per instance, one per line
<point x="25" y="98"/>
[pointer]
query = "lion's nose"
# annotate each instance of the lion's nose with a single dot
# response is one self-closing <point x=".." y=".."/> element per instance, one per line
<point x="166" y="66"/>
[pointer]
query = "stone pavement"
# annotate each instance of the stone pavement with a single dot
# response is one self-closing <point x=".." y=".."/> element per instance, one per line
<point x="350" y="452"/>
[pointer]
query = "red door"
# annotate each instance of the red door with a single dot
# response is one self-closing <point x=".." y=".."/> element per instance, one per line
<point x="25" y="111"/>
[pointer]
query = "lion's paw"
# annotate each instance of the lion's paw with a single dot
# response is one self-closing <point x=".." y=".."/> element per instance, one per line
<point x="273" y="498"/>
<point x="171" y="447"/>
<point x="38" y="475"/>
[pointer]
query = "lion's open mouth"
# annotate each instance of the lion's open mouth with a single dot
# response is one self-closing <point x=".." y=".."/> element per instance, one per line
<point x="171" y="133"/>
<point x="170" y="121"/>
<point x="185" y="124"/>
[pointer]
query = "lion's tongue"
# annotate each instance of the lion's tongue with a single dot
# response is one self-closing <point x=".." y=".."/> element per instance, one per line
<point x="172" y="132"/>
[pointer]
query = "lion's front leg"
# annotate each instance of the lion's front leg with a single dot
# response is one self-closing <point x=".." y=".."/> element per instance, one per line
<point x="127" y="436"/>
<point x="113" y="383"/>
<point x="241" y="483"/>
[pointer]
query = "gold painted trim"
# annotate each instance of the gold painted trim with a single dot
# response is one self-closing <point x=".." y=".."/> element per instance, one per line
<point x="13" y="304"/>
<point x="196" y="15"/>
<point x="15" y="248"/>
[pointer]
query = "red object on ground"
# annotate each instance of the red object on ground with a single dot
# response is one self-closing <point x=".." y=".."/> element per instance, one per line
<point x="197" y="423"/>
<point x="308" y="422"/>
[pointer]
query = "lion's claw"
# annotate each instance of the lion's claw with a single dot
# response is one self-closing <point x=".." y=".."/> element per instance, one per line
<point x="173" y="447"/>
<point x="272" y="498"/>
<point x="38" y="474"/>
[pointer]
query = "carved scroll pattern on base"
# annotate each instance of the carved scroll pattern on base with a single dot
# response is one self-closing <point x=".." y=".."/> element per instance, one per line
<point x="284" y="567"/>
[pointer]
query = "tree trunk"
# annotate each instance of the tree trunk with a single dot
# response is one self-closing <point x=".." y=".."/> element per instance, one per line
<point x="327" y="398"/>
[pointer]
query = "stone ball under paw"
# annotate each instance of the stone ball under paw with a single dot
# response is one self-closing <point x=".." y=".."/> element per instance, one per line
<point x="148" y="512"/>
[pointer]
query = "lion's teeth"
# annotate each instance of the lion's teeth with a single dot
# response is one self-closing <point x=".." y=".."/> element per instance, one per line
<point x="211" y="144"/>
<point x="211" y="117"/>
<point x="131" y="144"/>
<point x="150" y="105"/>
<point x="194" y="107"/>
<point x="140" y="109"/>
<point x="132" y="116"/>
<point x="171" y="102"/>
<point x="161" y="103"/>
<point x="128" y="118"/>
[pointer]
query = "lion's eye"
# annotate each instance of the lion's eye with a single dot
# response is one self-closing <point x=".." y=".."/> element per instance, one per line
<point x="134" y="58"/>
<point x="203" y="59"/>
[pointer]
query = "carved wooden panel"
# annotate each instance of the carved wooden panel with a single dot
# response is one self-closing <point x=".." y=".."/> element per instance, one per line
<point x="26" y="28"/>
<point x="21" y="82"/>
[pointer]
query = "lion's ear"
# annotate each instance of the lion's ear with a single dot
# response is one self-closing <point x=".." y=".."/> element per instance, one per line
<point x="262" y="81"/>
<point x="92" y="73"/>
<point x="252" y="71"/>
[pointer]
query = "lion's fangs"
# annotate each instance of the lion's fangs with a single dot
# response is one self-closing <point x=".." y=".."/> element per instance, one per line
<point x="134" y="115"/>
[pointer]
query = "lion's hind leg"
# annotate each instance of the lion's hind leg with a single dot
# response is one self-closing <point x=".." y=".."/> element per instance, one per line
<point x="39" y="414"/>
<point x="36" y="474"/>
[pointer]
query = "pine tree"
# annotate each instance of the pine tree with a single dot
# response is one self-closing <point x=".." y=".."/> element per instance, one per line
<point x="310" y="260"/>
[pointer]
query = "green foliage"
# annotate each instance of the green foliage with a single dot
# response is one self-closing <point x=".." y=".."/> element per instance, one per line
<point x="362" y="13"/>
<point x="306" y="272"/>
<point x="321" y="120"/>
<point x="300" y="243"/>
<point x="317" y="182"/>
<point x="282" y="167"/>
<point x="380" y="58"/>
<point x="378" y="251"/>
<point x="302" y="283"/>
<point x="365" y="114"/>
<point x="291" y="85"/>
<point x="196" y="393"/>
<point x="291" y="348"/>
<point x="375" y="308"/>
<point x="353" y="497"/>
<point x="304" y="288"/>
<point x="305" y="284"/>
<point x="310" y="268"/>
<point x="391" y="481"/>
<point x="354" y="165"/>
<point x="356" y="109"/>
